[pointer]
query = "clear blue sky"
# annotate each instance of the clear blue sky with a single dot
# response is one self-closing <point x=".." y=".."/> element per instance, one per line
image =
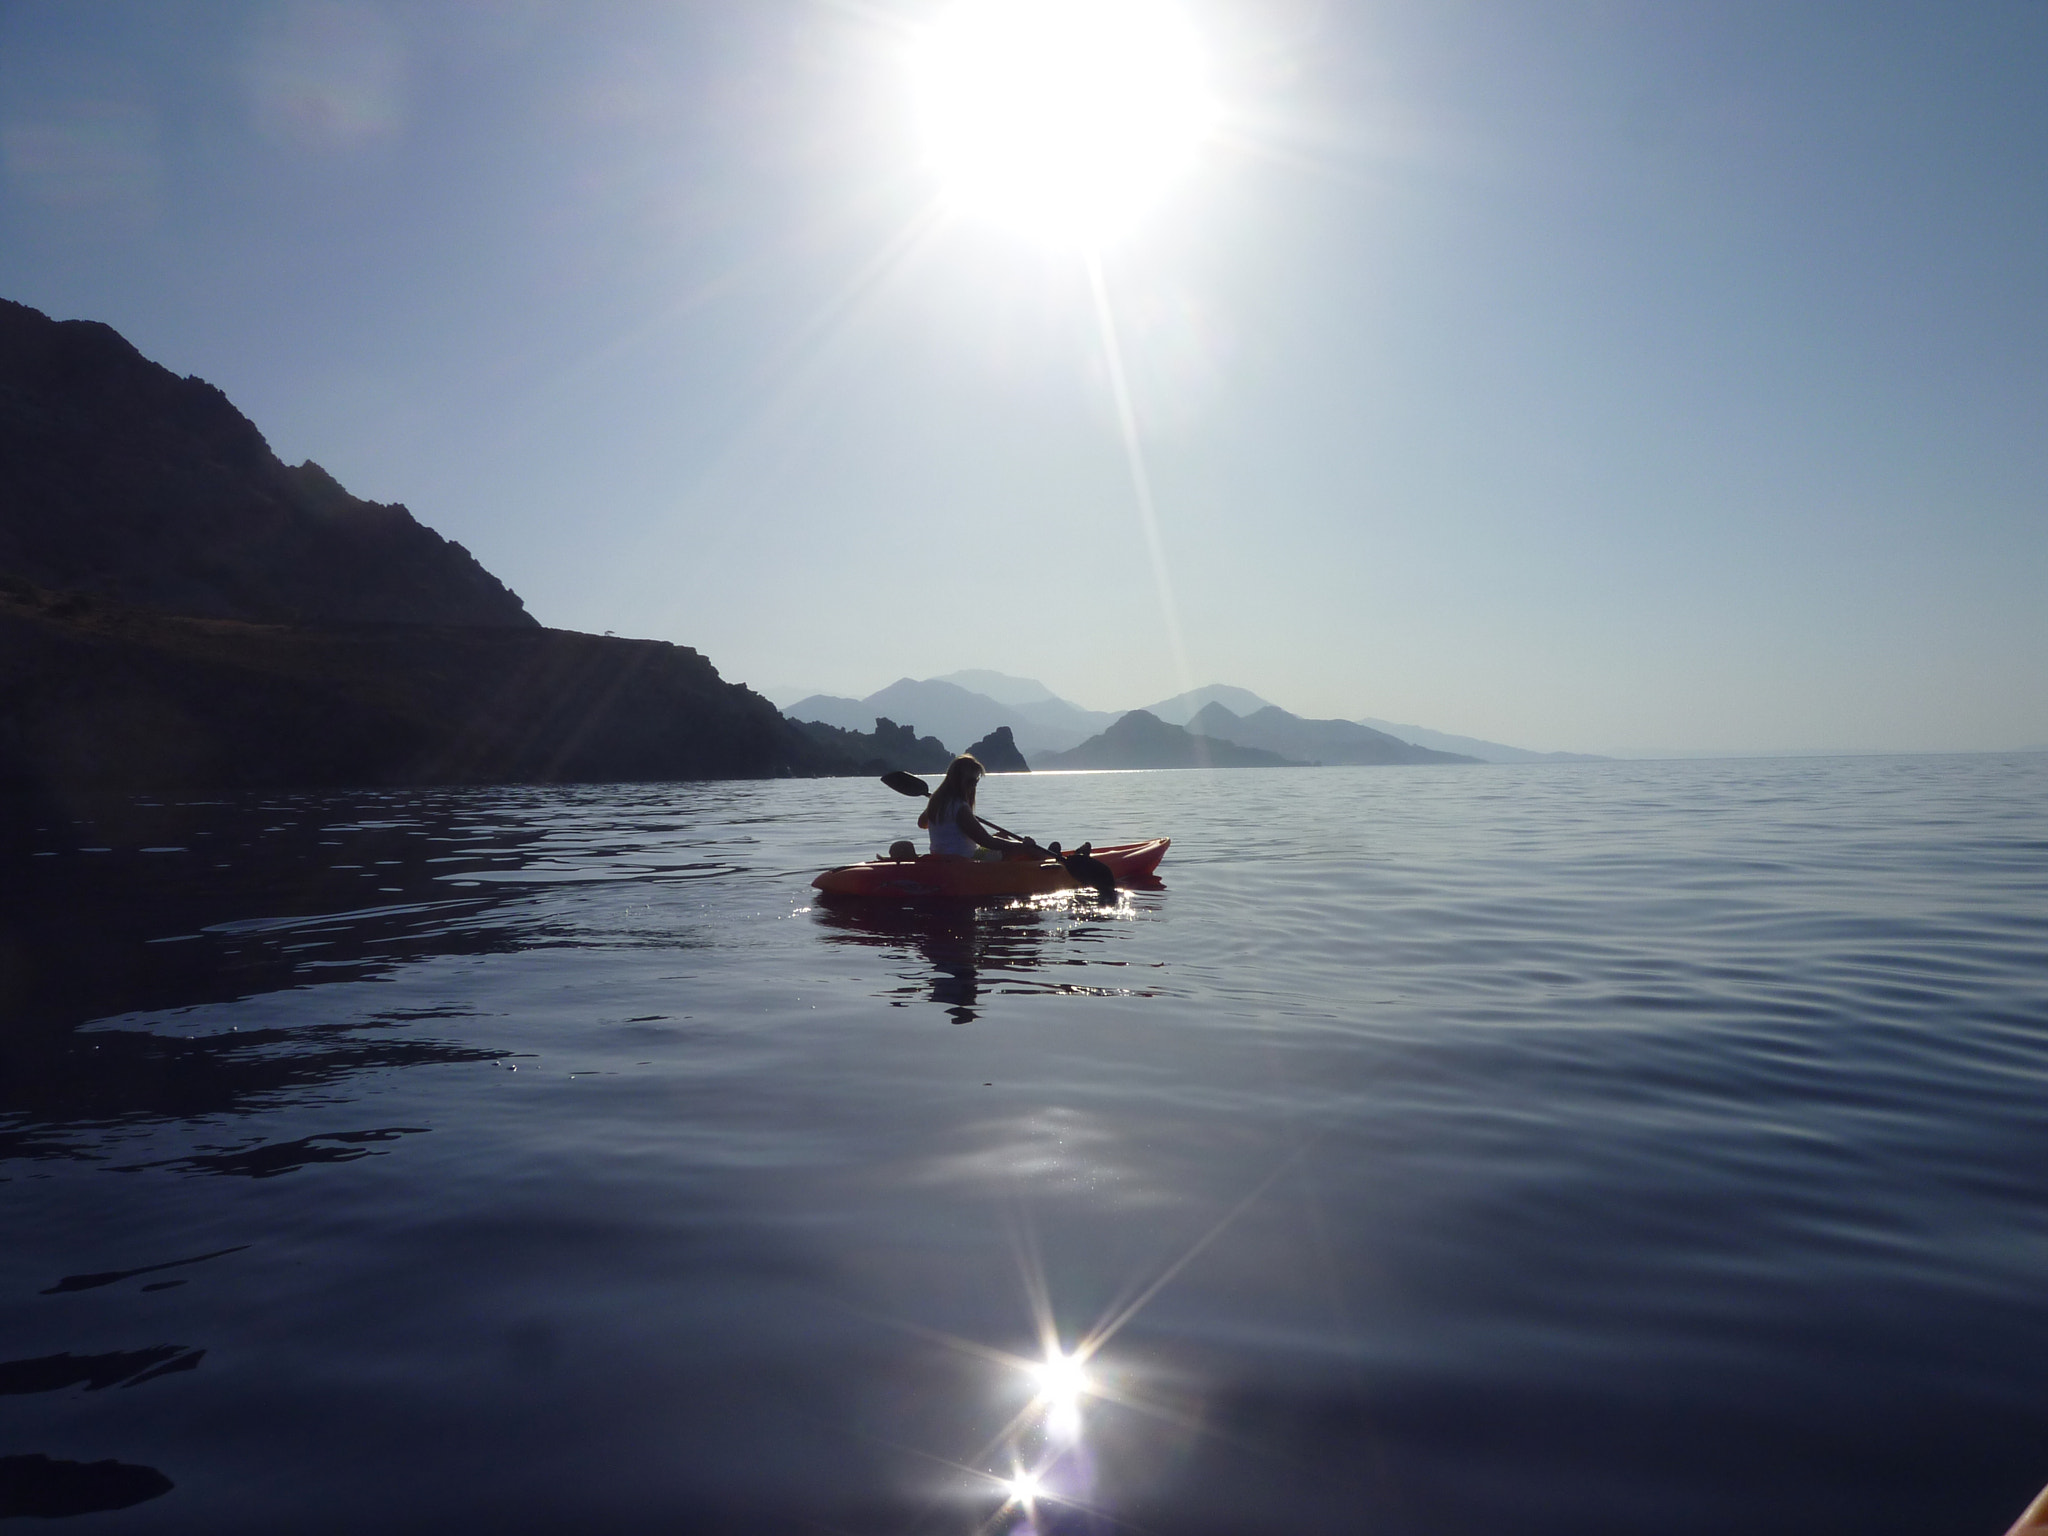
<point x="1577" y="375"/>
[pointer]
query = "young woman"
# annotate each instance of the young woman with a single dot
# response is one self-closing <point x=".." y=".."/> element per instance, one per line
<point x="956" y="831"/>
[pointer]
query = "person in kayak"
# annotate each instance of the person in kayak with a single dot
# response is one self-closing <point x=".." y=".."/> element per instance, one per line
<point x="956" y="831"/>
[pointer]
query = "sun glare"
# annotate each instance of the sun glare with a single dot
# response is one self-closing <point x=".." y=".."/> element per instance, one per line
<point x="1061" y="1378"/>
<point x="1065" y="118"/>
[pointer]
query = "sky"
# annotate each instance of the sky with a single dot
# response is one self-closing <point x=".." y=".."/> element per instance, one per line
<point x="1585" y="376"/>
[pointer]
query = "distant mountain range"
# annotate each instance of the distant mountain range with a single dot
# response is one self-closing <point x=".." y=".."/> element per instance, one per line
<point x="1225" y="723"/>
<point x="1313" y="741"/>
<point x="1472" y="746"/>
<point x="1183" y="707"/>
<point x="1000" y="686"/>
<point x="958" y="715"/>
<point x="1142" y="740"/>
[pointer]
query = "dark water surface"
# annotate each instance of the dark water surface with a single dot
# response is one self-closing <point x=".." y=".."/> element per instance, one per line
<point x="1576" y="1149"/>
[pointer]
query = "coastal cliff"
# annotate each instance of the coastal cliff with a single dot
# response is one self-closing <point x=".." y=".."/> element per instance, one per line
<point x="180" y="610"/>
<point x="99" y="696"/>
<point x="124" y="481"/>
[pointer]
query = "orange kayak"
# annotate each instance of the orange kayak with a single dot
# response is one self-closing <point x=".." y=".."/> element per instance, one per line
<point x="934" y="876"/>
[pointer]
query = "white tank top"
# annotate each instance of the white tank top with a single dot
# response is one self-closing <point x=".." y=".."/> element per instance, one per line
<point x="947" y="837"/>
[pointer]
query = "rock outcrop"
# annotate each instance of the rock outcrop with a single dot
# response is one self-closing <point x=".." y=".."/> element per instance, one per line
<point x="997" y="752"/>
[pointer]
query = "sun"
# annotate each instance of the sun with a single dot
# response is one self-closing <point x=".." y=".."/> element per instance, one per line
<point x="1066" y="119"/>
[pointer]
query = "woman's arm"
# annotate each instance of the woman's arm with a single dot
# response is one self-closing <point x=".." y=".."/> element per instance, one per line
<point x="970" y="824"/>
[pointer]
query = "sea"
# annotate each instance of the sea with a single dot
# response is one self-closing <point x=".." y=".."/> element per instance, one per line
<point x="1580" y="1148"/>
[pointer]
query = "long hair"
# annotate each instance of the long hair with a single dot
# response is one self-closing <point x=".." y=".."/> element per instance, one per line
<point x="957" y="787"/>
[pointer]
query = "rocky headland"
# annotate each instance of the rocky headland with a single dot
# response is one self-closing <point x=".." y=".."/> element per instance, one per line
<point x="100" y="696"/>
<point x="179" y="609"/>
<point x="997" y="752"/>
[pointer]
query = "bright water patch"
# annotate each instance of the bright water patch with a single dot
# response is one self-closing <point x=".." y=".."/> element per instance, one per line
<point x="1578" y="1148"/>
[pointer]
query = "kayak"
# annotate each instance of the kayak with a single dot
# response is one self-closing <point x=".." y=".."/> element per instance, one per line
<point x="934" y="876"/>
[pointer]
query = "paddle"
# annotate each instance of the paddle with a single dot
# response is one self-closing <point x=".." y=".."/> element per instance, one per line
<point x="907" y="784"/>
<point x="1086" y="869"/>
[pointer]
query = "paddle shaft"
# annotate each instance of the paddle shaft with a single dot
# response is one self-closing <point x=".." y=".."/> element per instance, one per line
<point x="906" y="783"/>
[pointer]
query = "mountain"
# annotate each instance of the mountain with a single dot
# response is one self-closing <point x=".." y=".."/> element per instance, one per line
<point x="1317" y="741"/>
<point x="958" y="715"/>
<point x="1053" y="725"/>
<point x="1142" y="740"/>
<point x="1000" y="686"/>
<point x="1045" y="725"/>
<point x="120" y="479"/>
<point x="1182" y="707"/>
<point x="1470" y="746"/>
<point x="830" y="709"/>
<point x="947" y="710"/>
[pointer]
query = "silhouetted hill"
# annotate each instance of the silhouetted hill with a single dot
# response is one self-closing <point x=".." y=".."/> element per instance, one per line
<point x="1182" y="707"/>
<point x="952" y="713"/>
<point x="958" y="715"/>
<point x="1473" y="746"/>
<point x="119" y="478"/>
<point x="98" y="696"/>
<point x="997" y="752"/>
<point x="830" y="709"/>
<point x="1142" y="740"/>
<point x="960" y="705"/>
<point x="1000" y="686"/>
<point x="233" y="622"/>
<point x="1314" y="741"/>
<point x="876" y="752"/>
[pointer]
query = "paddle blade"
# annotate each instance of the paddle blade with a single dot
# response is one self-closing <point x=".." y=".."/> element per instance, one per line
<point x="907" y="784"/>
<point x="1091" y="871"/>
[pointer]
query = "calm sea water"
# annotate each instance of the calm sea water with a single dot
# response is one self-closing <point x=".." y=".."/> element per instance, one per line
<point x="1577" y="1149"/>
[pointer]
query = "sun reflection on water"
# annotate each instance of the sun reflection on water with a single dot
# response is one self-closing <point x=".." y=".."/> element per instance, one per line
<point x="1043" y="1455"/>
<point x="1061" y="1379"/>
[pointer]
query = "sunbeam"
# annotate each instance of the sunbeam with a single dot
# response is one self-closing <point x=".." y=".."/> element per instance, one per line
<point x="1141" y="478"/>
